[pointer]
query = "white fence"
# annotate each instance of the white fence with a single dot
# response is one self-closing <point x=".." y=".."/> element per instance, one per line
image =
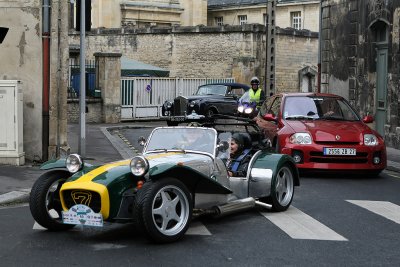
<point x="144" y="97"/>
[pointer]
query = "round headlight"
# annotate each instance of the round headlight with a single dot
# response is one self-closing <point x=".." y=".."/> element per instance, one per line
<point x="139" y="166"/>
<point x="241" y="109"/>
<point x="169" y="105"/>
<point x="74" y="163"/>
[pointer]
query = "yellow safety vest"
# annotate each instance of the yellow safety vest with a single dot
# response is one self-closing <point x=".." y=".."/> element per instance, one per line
<point x="255" y="97"/>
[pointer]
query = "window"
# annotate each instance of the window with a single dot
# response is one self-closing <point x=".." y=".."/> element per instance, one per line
<point x="219" y="21"/>
<point x="242" y="19"/>
<point x="265" y="19"/>
<point x="295" y="18"/>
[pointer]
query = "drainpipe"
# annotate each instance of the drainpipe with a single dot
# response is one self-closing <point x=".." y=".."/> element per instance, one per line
<point x="46" y="77"/>
<point x="319" y="48"/>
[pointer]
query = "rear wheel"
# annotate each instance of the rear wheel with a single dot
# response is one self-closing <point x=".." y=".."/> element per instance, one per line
<point x="45" y="202"/>
<point x="163" y="209"/>
<point x="282" y="188"/>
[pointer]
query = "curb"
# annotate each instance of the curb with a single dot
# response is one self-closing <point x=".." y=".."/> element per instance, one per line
<point x="19" y="196"/>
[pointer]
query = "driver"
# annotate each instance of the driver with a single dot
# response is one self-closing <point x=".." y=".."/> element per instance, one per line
<point x="239" y="158"/>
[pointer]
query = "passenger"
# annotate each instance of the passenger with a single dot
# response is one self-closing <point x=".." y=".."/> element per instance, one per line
<point x="240" y="156"/>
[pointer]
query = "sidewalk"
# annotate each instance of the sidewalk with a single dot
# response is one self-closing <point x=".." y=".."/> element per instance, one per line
<point x="101" y="147"/>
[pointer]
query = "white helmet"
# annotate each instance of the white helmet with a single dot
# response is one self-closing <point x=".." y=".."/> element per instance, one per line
<point x="255" y="80"/>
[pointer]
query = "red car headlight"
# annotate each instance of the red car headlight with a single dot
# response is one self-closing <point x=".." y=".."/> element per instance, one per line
<point x="301" y="139"/>
<point x="370" y="140"/>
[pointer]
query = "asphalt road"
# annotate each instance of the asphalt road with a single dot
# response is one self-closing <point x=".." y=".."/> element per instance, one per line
<point x="331" y="222"/>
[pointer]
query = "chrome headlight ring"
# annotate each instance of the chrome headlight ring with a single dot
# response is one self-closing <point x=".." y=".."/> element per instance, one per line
<point x="74" y="163"/>
<point x="139" y="166"/>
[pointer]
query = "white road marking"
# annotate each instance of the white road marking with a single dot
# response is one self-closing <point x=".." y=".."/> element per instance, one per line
<point x="299" y="225"/>
<point x="383" y="208"/>
<point x="197" y="228"/>
<point x="107" y="246"/>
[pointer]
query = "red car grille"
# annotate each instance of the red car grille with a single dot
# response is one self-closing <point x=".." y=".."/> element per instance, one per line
<point x="337" y="143"/>
<point x="88" y="198"/>
<point x="318" y="157"/>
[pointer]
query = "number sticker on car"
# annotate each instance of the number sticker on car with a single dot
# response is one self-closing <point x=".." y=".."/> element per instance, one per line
<point x="340" y="151"/>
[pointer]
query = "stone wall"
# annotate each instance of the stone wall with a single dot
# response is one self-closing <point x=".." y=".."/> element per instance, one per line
<point x="210" y="52"/>
<point x="94" y="111"/>
<point x="349" y="57"/>
<point x="295" y="50"/>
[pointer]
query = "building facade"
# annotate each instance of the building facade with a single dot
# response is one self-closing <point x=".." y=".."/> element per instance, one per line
<point x="35" y="52"/>
<point x="297" y="14"/>
<point x="360" y="59"/>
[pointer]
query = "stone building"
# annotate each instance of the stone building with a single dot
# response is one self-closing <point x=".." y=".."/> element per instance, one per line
<point x="360" y="59"/>
<point x="297" y="14"/>
<point x="36" y="53"/>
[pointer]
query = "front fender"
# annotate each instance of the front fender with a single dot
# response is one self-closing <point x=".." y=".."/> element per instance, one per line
<point x="58" y="164"/>
<point x="54" y="164"/>
<point x="195" y="181"/>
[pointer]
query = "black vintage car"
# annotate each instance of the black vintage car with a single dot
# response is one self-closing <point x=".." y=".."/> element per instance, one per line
<point x="210" y="99"/>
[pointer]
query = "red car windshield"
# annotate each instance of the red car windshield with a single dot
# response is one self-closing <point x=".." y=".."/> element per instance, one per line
<point x="314" y="108"/>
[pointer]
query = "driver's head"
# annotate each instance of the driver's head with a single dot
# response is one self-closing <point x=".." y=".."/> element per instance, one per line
<point x="237" y="143"/>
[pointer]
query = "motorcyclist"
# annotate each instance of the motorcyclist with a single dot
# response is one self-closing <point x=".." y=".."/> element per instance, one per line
<point x="256" y="93"/>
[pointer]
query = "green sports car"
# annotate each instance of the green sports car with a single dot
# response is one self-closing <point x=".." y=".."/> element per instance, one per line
<point x="181" y="174"/>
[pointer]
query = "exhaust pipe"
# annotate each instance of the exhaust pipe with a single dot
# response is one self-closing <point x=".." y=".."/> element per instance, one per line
<point x="235" y="206"/>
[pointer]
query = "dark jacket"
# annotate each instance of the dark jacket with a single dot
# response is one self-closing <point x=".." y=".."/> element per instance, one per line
<point x="238" y="164"/>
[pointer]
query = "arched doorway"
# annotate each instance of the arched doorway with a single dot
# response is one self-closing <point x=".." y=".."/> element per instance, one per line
<point x="379" y="34"/>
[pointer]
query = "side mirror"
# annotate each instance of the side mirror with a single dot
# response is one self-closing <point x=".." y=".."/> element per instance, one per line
<point x="142" y="140"/>
<point x="269" y="117"/>
<point x="368" y="119"/>
<point x="223" y="146"/>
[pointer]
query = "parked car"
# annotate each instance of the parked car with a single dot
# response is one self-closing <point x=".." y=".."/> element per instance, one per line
<point x="161" y="190"/>
<point x="210" y="99"/>
<point x="322" y="132"/>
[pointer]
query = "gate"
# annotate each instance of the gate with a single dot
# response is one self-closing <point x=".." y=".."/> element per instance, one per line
<point x="144" y="97"/>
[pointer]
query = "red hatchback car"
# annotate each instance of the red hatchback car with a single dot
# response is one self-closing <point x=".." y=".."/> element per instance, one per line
<point x="322" y="132"/>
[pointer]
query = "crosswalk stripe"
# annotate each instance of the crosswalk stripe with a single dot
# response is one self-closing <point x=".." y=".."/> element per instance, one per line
<point x="384" y="208"/>
<point x="197" y="228"/>
<point x="299" y="225"/>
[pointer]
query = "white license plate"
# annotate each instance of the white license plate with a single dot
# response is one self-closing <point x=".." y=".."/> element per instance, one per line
<point x="182" y="118"/>
<point x="340" y="151"/>
<point x="82" y="214"/>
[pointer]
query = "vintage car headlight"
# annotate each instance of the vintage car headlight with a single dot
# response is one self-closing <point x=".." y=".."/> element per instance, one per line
<point x="139" y="166"/>
<point x="74" y="163"/>
<point x="168" y="105"/>
<point x="370" y="140"/>
<point x="192" y="104"/>
<point x="241" y="109"/>
<point x="300" y="138"/>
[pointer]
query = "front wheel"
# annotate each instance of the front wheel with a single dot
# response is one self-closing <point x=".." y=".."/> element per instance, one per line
<point x="164" y="209"/>
<point x="282" y="189"/>
<point x="45" y="202"/>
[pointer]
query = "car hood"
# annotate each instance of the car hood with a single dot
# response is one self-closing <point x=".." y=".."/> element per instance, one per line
<point x="199" y="97"/>
<point x="328" y="130"/>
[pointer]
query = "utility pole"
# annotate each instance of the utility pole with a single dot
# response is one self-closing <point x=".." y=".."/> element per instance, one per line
<point x="82" y="91"/>
<point x="270" y="48"/>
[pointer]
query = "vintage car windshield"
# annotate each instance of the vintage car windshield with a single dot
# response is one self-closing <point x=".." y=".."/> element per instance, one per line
<point x="212" y="90"/>
<point x="324" y="108"/>
<point x="182" y="138"/>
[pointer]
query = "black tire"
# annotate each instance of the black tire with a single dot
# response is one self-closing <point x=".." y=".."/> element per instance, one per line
<point x="169" y="223"/>
<point x="172" y="123"/>
<point x="282" y="188"/>
<point x="45" y="200"/>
